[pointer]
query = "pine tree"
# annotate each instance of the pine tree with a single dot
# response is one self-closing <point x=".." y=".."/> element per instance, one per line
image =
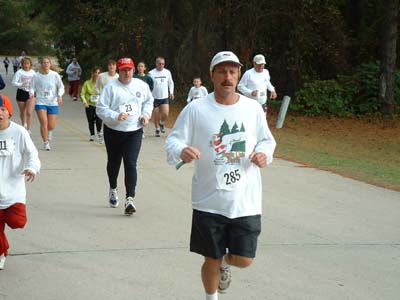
<point x="235" y="128"/>
<point x="224" y="129"/>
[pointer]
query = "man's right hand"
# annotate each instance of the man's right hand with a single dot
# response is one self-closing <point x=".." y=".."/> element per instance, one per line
<point x="254" y="93"/>
<point x="123" y="116"/>
<point x="189" y="154"/>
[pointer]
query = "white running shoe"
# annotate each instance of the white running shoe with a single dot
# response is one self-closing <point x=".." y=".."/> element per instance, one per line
<point x="46" y="146"/>
<point x="162" y="127"/>
<point x="113" y="198"/>
<point x="2" y="261"/>
<point x="130" y="208"/>
<point x="92" y="137"/>
<point x="224" y="279"/>
<point x="50" y="135"/>
<point x="101" y="138"/>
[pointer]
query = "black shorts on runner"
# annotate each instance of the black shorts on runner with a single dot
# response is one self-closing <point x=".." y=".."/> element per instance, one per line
<point x="158" y="102"/>
<point x="22" y="95"/>
<point x="213" y="234"/>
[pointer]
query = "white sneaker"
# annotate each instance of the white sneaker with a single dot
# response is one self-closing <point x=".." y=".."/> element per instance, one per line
<point x="50" y="135"/>
<point x="130" y="208"/>
<point x="162" y="127"/>
<point x="92" y="137"/>
<point x="224" y="279"/>
<point x="2" y="261"/>
<point x="46" y="146"/>
<point x="113" y="198"/>
<point x="101" y="139"/>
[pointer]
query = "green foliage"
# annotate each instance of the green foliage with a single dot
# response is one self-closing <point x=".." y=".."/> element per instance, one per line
<point x="357" y="94"/>
<point x="363" y="88"/>
<point x="21" y="31"/>
<point x="321" y="97"/>
<point x="303" y="40"/>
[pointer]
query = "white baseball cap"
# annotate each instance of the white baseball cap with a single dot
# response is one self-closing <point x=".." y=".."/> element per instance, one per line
<point x="259" y="59"/>
<point x="224" y="56"/>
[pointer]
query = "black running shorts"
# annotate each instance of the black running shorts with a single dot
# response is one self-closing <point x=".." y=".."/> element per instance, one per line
<point x="22" y="95"/>
<point x="158" y="102"/>
<point x="213" y="234"/>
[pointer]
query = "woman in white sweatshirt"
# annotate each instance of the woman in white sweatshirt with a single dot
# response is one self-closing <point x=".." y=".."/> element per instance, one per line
<point x="48" y="89"/>
<point x="22" y="80"/>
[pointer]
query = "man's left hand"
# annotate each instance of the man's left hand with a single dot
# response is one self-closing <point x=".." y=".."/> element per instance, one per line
<point x="144" y="120"/>
<point x="259" y="159"/>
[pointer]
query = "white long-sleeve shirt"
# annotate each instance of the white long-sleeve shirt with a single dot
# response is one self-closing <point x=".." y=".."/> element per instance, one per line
<point x="134" y="98"/>
<point x="253" y="80"/>
<point x="74" y="71"/>
<point x="103" y="79"/>
<point x="196" y="93"/>
<point x="46" y="88"/>
<point x="163" y="83"/>
<point x="22" y="79"/>
<point x="225" y="181"/>
<point x="17" y="153"/>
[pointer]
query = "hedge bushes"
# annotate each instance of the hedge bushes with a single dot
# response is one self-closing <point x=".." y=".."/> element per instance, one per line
<point x="354" y="94"/>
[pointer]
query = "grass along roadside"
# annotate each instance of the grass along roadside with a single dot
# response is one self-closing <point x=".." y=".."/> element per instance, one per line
<point x="358" y="148"/>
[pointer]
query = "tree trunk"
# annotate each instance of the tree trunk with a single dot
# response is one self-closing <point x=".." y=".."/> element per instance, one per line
<point x="388" y="66"/>
<point x="195" y="39"/>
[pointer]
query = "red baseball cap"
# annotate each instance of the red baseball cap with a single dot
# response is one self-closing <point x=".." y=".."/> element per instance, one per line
<point x="5" y="102"/>
<point x="125" y="62"/>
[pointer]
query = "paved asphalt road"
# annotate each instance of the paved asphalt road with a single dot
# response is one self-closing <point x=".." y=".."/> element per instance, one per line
<point x="324" y="237"/>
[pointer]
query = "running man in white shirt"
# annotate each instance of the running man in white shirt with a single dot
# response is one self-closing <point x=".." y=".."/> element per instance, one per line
<point x="227" y="137"/>
<point x="196" y="91"/>
<point x="256" y="82"/>
<point x="125" y="106"/>
<point x="18" y="161"/>
<point x="163" y="90"/>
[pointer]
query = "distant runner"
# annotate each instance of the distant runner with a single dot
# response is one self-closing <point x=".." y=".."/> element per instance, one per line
<point x="163" y="91"/>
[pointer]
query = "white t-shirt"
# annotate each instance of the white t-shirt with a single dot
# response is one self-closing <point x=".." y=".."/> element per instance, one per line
<point x="225" y="182"/>
<point x="253" y="80"/>
<point x="22" y="79"/>
<point x="134" y="98"/>
<point x="46" y="88"/>
<point x="196" y="93"/>
<point x="17" y="153"/>
<point x="163" y="83"/>
<point x="103" y="79"/>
